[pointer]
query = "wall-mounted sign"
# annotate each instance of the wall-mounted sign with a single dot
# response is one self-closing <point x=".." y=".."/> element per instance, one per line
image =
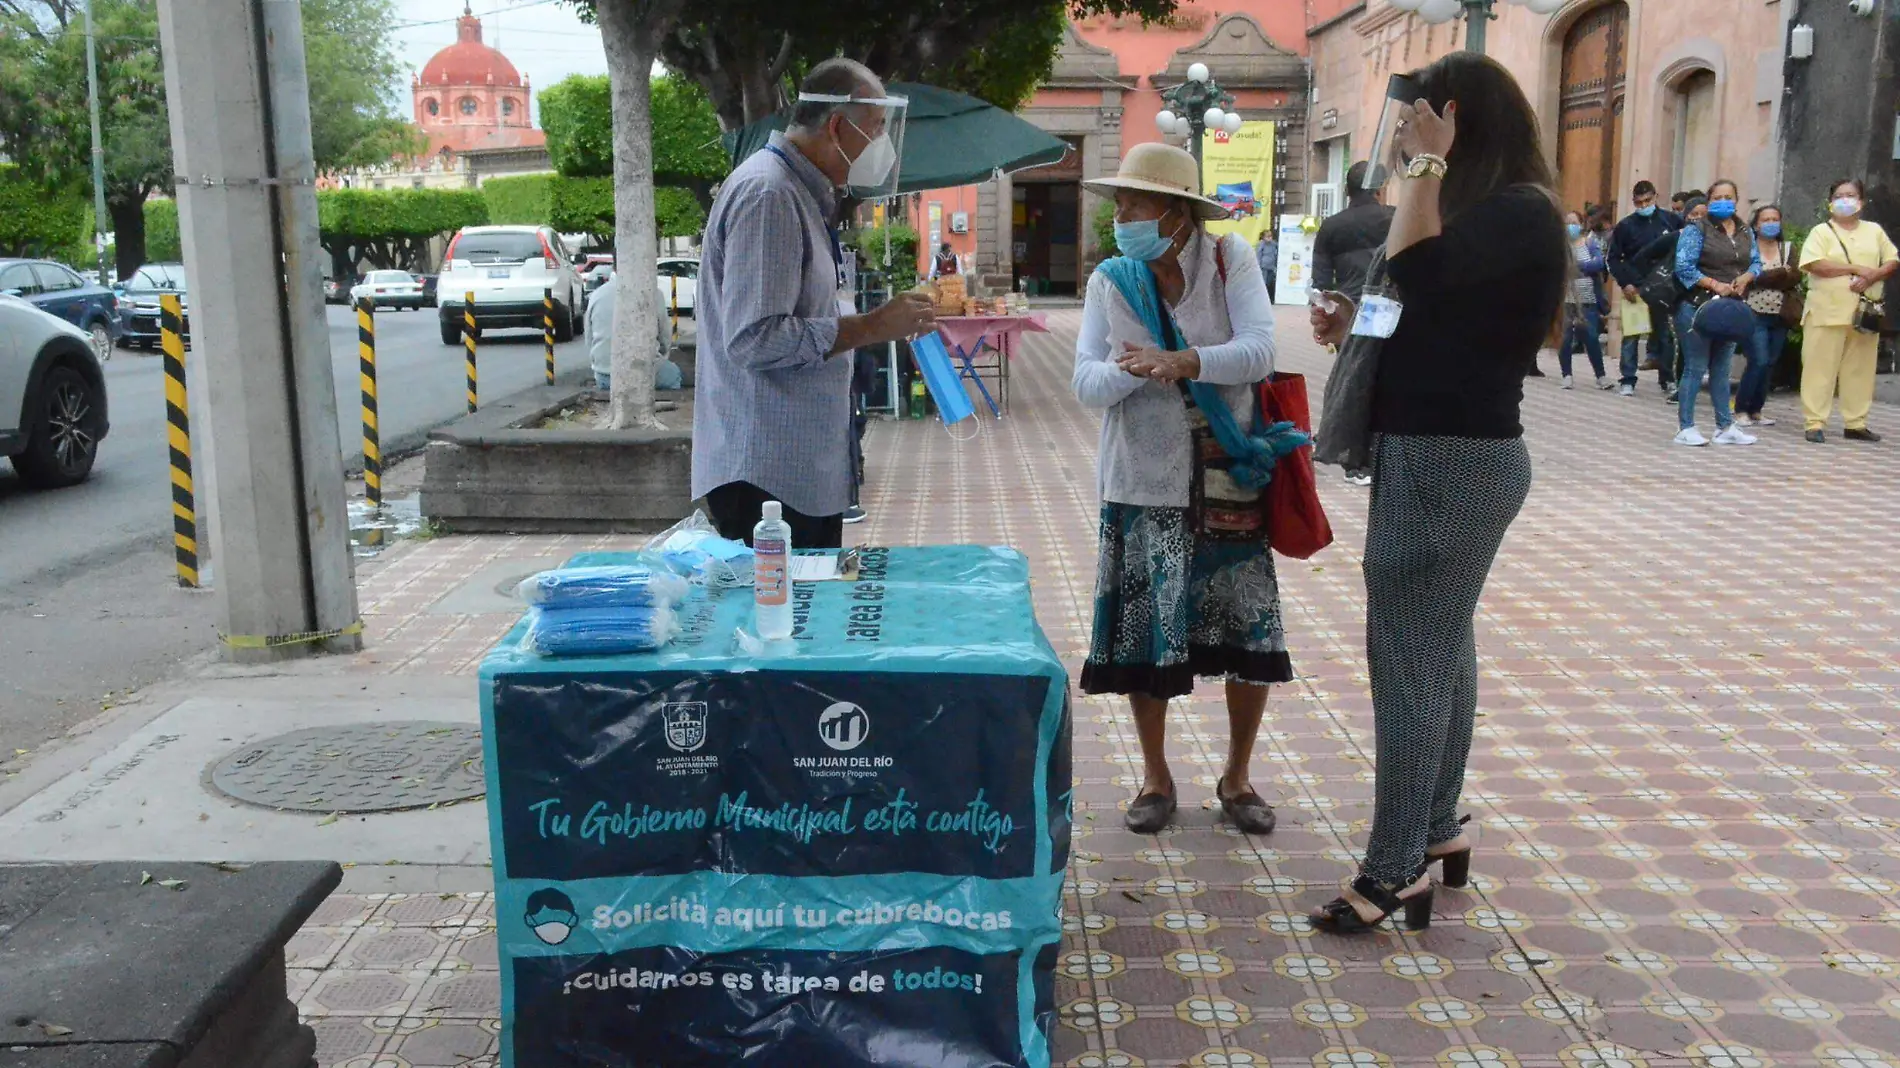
<point x="959" y="222"/>
<point x="1329" y="119"/>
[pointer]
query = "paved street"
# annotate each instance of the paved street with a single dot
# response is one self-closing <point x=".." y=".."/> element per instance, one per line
<point x="85" y="573"/>
<point x="1686" y="784"/>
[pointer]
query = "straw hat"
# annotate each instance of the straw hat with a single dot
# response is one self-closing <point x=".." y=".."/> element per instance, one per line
<point x="1151" y="167"/>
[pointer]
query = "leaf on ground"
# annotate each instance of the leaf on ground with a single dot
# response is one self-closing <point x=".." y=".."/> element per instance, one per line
<point x="203" y="816"/>
<point x="233" y="869"/>
<point x="144" y="877"/>
<point x="1133" y="895"/>
<point x="55" y="1030"/>
<point x="327" y="820"/>
<point x="172" y="884"/>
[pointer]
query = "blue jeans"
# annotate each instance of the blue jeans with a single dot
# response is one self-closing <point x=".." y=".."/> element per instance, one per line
<point x="1662" y="346"/>
<point x="1771" y="338"/>
<point x="1702" y="356"/>
<point x="1589" y="324"/>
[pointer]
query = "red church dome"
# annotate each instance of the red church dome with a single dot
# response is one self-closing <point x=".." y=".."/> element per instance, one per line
<point x="468" y="61"/>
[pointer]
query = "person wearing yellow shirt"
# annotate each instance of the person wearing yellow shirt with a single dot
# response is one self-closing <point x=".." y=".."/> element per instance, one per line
<point x="1845" y="259"/>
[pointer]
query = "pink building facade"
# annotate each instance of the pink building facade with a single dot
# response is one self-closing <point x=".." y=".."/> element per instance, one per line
<point x="1679" y="92"/>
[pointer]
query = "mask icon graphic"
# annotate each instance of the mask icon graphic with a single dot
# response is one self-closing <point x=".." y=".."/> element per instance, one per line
<point x="551" y="916"/>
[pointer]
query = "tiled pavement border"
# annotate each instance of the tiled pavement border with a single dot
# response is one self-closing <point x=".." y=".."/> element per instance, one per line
<point x="1685" y="783"/>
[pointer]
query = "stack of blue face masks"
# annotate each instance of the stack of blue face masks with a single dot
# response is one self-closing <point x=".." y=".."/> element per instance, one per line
<point x="628" y="586"/>
<point x="600" y="631"/>
<point x="602" y="611"/>
<point x="717" y="562"/>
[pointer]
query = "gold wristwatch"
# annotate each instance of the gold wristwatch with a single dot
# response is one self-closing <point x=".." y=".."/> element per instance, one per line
<point x="1425" y="163"/>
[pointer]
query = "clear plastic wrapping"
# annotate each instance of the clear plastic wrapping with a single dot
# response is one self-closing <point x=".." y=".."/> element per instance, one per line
<point x="694" y="548"/>
<point x="619" y="586"/>
<point x="599" y="631"/>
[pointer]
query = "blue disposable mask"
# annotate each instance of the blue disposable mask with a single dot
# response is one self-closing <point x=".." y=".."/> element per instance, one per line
<point x="1576" y="231"/>
<point x="1721" y="209"/>
<point x="1771" y="229"/>
<point x="1142" y="240"/>
<point x="1646" y="211"/>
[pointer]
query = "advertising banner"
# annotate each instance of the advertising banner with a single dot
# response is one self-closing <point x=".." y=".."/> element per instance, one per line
<point x="1237" y="170"/>
<point x="1296" y="258"/>
<point x="849" y="851"/>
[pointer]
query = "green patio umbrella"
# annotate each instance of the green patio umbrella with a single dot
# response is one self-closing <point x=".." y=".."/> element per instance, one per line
<point x="950" y="140"/>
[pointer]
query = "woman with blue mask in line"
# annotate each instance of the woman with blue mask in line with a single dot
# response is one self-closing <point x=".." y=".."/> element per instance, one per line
<point x="1175" y="332"/>
<point x="1768" y="298"/>
<point x="1716" y="260"/>
<point x="1584" y="303"/>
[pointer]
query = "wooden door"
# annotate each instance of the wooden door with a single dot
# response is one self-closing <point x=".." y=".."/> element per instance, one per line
<point x="1590" y="112"/>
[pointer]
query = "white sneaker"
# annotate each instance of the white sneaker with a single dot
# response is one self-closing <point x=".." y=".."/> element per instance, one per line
<point x="1762" y="420"/>
<point x="1691" y="436"/>
<point x="1358" y="478"/>
<point x="1627" y="390"/>
<point x="1603" y="382"/>
<point x="1568" y="383"/>
<point x="1745" y="420"/>
<point x="1734" y="435"/>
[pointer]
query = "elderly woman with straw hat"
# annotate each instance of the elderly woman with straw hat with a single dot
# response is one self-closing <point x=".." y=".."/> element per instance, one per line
<point x="1175" y="333"/>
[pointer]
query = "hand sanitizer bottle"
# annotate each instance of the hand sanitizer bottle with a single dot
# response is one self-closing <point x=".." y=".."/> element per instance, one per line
<point x="772" y="574"/>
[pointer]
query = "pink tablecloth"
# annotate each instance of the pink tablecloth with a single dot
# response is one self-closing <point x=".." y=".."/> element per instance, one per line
<point x="963" y="331"/>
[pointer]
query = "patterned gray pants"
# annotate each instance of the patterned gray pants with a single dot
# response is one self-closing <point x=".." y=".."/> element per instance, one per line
<point x="1440" y="507"/>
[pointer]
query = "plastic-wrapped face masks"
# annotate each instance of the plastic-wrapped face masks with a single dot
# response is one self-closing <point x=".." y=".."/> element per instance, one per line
<point x="629" y="586"/>
<point x="599" y="631"/>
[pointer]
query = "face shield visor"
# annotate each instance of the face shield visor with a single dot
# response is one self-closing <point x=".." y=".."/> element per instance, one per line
<point x="880" y="121"/>
<point x="1385" y="156"/>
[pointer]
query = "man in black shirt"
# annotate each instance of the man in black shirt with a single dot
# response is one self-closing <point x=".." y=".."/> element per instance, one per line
<point x="1343" y="251"/>
<point x="1637" y="232"/>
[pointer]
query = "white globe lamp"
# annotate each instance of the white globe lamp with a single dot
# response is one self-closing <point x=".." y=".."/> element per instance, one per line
<point x="1198" y="73"/>
<point x="1232" y="125"/>
<point x="1440" y="11"/>
<point x="1165" y="121"/>
<point x="1408" y="5"/>
<point x="1544" y="7"/>
<point x="1213" y="118"/>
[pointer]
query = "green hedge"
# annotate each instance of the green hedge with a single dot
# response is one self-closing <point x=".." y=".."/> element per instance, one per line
<point x="583" y="205"/>
<point x="869" y="241"/>
<point x="399" y="212"/>
<point x="162" y="243"/>
<point x="518" y="201"/>
<point x="577" y="113"/>
<point x="37" y="220"/>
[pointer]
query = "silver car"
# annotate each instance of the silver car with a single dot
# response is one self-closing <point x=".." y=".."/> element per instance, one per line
<point x="52" y="396"/>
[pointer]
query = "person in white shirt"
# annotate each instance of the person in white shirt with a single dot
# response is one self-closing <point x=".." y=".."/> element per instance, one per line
<point x="600" y="342"/>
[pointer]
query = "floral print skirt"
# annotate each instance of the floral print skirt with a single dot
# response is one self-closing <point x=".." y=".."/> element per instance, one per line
<point x="1171" y="607"/>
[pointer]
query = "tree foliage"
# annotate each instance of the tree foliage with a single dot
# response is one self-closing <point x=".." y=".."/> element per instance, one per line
<point x="391" y="229"/>
<point x="577" y="114"/>
<point x="518" y="200"/>
<point x="162" y="241"/>
<point x="583" y="206"/>
<point x="45" y="125"/>
<point x="41" y="220"/>
<point x="741" y="51"/>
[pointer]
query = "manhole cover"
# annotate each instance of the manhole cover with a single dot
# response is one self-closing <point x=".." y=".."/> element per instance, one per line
<point x="363" y="767"/>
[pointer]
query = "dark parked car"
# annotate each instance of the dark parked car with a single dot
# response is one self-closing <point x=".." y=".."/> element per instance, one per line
<point x="337" y="290"/>
<point x="428" y="288"/>
<point x="138" y="302"/>
<point x="60" y="291"/>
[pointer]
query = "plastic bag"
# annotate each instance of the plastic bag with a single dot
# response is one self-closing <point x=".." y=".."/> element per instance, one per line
<point x="599" y="631"/>
<point x="694" y="548"/>
<point x="1636" y="321"/>
<point x="625" y="586"/>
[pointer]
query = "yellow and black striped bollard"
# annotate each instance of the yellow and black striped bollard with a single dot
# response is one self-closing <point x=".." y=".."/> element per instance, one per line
<point x="676" y="307"/>
<point x="366" y="373"/>
<point x="171" y="319"/>
<point x="547" y="330"/>
<point x="468" y="344"/>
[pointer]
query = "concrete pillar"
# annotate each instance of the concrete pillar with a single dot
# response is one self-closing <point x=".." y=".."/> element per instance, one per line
<point x="260" y="362"/>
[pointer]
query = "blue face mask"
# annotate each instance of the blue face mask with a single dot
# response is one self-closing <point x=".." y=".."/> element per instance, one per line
<point x="1721" y="209"/>
<point x="1771" y="229"/>
<point x="1576" y="231"/>
<point x="1646" y="211"/>
<point x="1142" y="240"/>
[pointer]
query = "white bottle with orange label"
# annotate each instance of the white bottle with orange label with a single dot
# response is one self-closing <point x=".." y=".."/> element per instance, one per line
<point x="772" y="573"/>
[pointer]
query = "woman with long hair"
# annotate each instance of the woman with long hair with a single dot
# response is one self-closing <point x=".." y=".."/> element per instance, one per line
<point x="1478" y="259"/>
<point x="1584" y="302"/>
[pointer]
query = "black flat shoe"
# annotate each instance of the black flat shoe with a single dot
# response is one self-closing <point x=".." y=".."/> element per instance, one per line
<point x="1339" y="917"/>
<point x="1149" y="813"/>
<point x="1860" y="434"/>
<point x="1249" y="811"/>
<point x="1819" y="437"/>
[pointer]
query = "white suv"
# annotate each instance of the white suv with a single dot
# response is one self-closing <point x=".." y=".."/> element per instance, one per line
<point x="508" y="268"/>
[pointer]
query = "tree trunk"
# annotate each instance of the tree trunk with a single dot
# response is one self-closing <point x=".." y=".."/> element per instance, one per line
<point x="128" y="224"/>
<point x="631" y="31"/>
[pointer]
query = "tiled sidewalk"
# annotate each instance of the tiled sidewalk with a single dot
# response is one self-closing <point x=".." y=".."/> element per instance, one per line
<point x="1685" y="784"/>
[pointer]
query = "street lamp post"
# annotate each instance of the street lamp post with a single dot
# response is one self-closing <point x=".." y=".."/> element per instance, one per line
<point x="1196" y="106"/>
<point x="1476" y="13"/>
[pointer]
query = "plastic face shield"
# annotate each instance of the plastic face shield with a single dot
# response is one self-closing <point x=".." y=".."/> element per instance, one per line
<point x="875" y="117"/>
<point x="1385" y="156"/>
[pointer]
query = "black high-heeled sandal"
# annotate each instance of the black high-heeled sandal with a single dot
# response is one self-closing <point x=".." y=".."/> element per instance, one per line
<point x="1456" y="873"/>
<point x="1339" y="917"/>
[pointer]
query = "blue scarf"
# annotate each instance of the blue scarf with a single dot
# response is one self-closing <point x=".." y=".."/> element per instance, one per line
<point x="1255" y="454"/>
